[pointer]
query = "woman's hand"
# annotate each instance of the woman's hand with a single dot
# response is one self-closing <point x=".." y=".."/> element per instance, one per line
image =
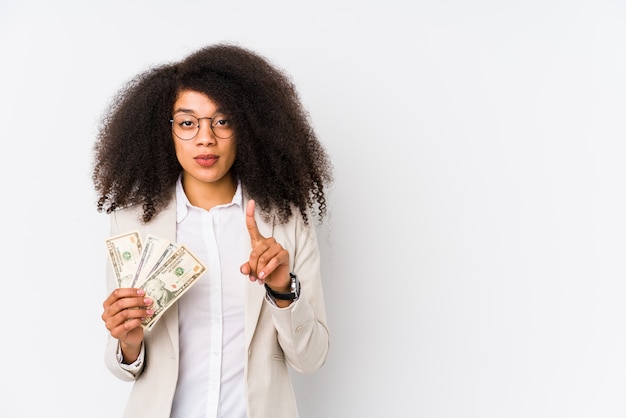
<point x="124" y="310"/>
<point x="269" y="261"/>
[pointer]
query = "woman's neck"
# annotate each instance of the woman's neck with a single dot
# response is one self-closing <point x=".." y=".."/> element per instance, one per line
<point x="208" y="195"/>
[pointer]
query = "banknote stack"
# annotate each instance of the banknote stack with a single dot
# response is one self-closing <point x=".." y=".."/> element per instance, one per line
<point x="164" y="269"/>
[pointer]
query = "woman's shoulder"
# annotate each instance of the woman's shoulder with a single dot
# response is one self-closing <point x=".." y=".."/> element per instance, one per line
<point x="163" y="224"/>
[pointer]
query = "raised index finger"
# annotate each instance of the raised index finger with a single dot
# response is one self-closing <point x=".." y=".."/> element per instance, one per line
<point x="253" y="230"/>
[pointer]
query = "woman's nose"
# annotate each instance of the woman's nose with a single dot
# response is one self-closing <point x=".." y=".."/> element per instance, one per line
<point x="205" y="134"/>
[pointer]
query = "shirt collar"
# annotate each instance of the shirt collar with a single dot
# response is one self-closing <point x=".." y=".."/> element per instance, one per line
<point x="183" y="204"/>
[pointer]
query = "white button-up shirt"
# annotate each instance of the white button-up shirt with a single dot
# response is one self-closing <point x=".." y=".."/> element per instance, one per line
<point x="211" y="313"/>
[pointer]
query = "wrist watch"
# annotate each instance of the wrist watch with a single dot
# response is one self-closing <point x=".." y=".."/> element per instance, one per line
<point x="292" y="295"/>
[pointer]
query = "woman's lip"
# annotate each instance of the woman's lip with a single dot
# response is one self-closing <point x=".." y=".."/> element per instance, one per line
<point x="206" y="160"/>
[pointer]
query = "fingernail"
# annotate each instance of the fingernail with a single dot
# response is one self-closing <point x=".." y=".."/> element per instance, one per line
<point x="147" y="301"/>
<point x="261" y="275"/>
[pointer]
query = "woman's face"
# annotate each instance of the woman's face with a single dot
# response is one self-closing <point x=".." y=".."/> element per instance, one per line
<point x="205" y="158"/>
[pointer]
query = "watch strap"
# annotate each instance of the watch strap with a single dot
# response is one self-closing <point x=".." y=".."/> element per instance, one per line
<point x="295" y="290"/>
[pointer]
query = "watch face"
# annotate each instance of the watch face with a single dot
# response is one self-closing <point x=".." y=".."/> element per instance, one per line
<point x="295" y="285"/>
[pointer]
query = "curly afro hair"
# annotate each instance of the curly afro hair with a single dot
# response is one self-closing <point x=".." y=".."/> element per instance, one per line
<point x="280" y="162"/>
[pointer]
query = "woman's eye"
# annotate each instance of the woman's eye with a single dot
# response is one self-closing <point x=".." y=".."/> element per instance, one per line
<point x="187" y="124"/>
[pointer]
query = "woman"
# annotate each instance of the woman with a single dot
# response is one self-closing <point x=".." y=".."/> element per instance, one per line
<point x="216" y="152"/>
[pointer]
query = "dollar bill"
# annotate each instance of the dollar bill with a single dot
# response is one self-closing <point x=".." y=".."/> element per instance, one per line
<point x="170" y="281"/>
<point x="155" y="251"/>
<point x="124" y="253"/>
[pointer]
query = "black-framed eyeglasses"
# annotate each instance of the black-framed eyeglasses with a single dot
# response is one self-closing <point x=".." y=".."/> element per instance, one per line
<point x="186" y="126"/>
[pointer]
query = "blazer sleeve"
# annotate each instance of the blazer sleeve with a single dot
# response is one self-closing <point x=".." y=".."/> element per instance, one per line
<point x="301" y="327"/>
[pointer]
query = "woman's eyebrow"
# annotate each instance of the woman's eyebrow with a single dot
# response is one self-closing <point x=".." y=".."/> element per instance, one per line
<point x="183" y="110"/>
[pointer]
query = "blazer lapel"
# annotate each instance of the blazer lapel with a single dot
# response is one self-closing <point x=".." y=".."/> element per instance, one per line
<point x="165" y="226"/>
<point x="255" y="295"/>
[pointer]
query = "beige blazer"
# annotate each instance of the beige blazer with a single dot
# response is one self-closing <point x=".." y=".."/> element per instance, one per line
<point x="275" y="338"/>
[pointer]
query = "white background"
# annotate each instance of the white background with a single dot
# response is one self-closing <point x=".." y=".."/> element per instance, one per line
<point x="475" y="255"/>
